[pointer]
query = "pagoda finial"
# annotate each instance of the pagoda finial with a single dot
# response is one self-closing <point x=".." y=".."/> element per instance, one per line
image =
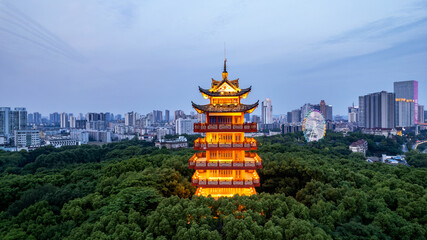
<point x="224" y="73"/>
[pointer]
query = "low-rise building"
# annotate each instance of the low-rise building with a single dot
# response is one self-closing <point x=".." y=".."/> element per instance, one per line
<point x="360" y="146"/>
<point x="180" y="142"/>
<point x="27" y="138"/>
<point x="386" y="132"/>
<point x="81" y="136"/>
<point x="99" y="136"/>
<point x="290" y="128"/>
<point x="62" y="142"/>
<point x="394" y="160"/>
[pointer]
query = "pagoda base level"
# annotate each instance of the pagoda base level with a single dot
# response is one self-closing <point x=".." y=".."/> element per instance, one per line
<point x="224" y="192"/>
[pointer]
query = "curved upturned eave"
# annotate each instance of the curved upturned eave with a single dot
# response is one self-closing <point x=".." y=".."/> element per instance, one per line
<point x="218" y="94"/>
<point x="225" y="108"/>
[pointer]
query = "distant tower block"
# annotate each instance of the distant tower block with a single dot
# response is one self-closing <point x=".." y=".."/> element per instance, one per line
<point x="223" y="167"/>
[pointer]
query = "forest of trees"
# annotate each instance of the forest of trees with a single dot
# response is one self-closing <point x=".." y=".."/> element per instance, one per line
<point x="132" y="190"/>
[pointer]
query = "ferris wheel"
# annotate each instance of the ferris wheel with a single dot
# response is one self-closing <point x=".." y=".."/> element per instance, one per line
<point x="314" y="126"/>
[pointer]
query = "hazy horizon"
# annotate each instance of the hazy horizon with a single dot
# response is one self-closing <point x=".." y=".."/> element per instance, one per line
<point x="119" y="56"/>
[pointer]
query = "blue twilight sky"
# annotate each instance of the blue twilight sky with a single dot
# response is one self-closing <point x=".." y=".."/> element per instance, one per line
<point x="123" y="55"/>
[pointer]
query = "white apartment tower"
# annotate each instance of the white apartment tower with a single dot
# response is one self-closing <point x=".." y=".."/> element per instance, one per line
<point x="267" y="112"/>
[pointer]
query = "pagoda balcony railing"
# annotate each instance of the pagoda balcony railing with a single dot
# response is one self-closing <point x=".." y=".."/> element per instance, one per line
<point x="199" y="161"/>
<point x="213" y="127"/>
<point x="225" y="182"/>
<point x="247" y="145"/>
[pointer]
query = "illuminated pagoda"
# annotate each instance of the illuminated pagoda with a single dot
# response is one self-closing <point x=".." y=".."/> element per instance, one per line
<point x="225" y="167"/>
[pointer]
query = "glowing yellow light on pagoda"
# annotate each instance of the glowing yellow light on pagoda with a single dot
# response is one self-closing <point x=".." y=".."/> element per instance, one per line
<point x="220" y="170"/>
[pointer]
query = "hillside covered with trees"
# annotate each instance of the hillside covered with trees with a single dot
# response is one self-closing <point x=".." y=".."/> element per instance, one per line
<point x="132" y="190"/>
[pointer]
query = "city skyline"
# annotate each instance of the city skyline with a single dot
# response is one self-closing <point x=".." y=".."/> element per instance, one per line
<point x="80" y="59"/>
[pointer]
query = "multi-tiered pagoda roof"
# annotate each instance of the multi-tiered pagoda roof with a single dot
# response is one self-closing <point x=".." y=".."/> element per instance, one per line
<point x="224" y="168"/>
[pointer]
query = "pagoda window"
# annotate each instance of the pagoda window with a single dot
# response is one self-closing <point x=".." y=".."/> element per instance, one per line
<point x="220" y="120"/>
<point x="237" y="120"/>
<point x="238" y="138"/>
<point x="221" y="154"/>
<point x="238" y="174"/>
<point x="225" y="100"/>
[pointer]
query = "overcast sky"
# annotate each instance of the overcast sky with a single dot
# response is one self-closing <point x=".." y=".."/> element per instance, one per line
<point x="118" y="56"/>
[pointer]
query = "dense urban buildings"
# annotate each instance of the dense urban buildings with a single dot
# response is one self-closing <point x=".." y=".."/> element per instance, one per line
<point x="298" y="115"/>
<point x="406" y="93"/>
<point x="96" y="121"/>
<point x="377" y="110"/>
<point x="224" y="168"/>
<point x="376" y="114"/>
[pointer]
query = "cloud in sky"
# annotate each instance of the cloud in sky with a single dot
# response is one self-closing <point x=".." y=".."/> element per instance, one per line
<point x="117" y="56"/>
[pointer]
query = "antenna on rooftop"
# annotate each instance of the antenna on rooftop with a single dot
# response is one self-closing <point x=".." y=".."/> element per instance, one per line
<point x="225" y="52"/>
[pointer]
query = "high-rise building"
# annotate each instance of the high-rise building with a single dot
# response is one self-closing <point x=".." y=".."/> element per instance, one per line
<point x="37" y="118"/>
<point x="72" y="121"/>
<point x="130" y="119"/>
<point x="20" y="120"/>
<point x="4" y="121"/>
<point x="109" y="117"/>
<point x="55" y="118"/>
<point x="179" y="114"/>
<point x="305" y="109"/>
<point x="96" y="121"/>
<point x="11" y="120"/>
<point x="64" y="120"/>
<point x="421" y="118"/>
<point x="353" y="113"/>
<point x="184" y="126"/>
<point x="267" y="112"/>
<point x="328" y="116"/>
<point x="378" y="110"/>
<point x="361" y="117"/>
<point x="167" y="116"/>
<point x="247" y="117"/>
<point x="406" y="112"/>
<point x="289" y="117"/>
<point x="326" y="110"/>
<point x="82" y="117"/>
<point x="201" y="118"/>
<point x="322" y="108"/>
<point x="296" y="116"/>
<point x="80" y="124"/>
<point x="30" y="118"/>
<point x="256" y="119"/>
<point x="225" y="168"/>
<point x="96" y="116"/>
<point x="157" y="116"/>
<point x="149" y="119"/>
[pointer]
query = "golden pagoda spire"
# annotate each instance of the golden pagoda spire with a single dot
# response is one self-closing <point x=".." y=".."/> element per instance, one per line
<point x="224" y="73"/>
